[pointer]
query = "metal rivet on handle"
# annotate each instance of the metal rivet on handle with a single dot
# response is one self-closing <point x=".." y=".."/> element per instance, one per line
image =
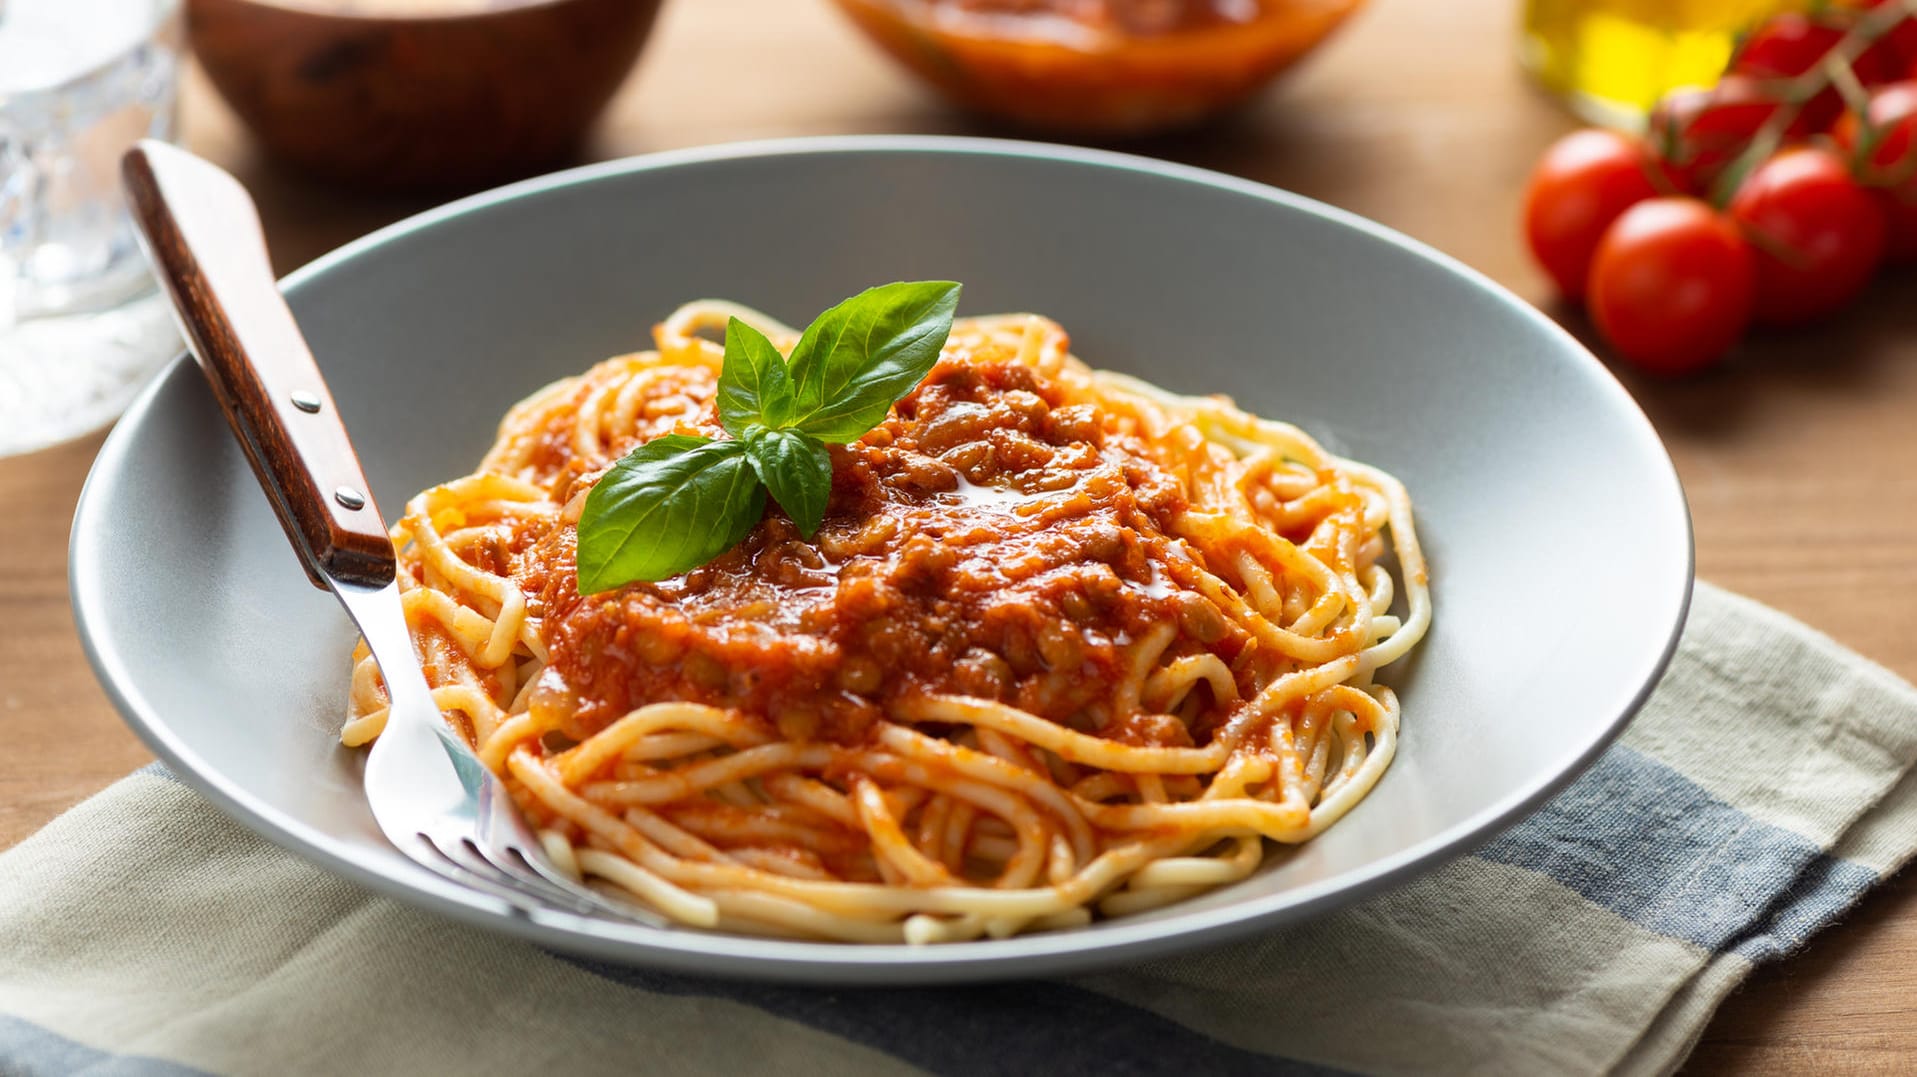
<point x="350" y="497"/>
<point x="305" y="401"/>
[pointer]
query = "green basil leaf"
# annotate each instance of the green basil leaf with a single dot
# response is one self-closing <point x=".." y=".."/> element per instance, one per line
<point x="857" y="359"/>
<point x="798" y="471"/>
<point x="667" y="506"/>
<point x="754" y="386"/>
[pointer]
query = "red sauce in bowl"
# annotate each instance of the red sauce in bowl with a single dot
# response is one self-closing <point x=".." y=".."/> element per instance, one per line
<point x="1098" y="67"/>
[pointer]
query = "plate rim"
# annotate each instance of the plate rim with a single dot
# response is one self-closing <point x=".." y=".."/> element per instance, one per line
<point x="746" y="957"/>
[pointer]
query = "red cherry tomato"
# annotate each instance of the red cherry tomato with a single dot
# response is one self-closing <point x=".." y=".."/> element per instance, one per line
<point x="1884" y="61"/>
<point x="1882" y="144"/>
<point x="1672" y="285"/>
<point x="1790" y="45"/>
<point x="1695" y="133"/>
<point x="1787" y="45"/>
<point x="1882" y="148"/>
<point x="1818" y="234"/>
<point x="1900" y="224"/>
<point x="1578" y="188"/>
<point x="1898" y="45"/>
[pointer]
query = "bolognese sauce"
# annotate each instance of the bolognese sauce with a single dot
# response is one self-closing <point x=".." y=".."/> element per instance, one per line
<point x="987" y="540"/>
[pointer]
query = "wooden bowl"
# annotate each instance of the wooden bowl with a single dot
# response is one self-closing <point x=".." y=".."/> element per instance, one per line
<point x="416" y="99"/>
<point x="1044" y="72"/>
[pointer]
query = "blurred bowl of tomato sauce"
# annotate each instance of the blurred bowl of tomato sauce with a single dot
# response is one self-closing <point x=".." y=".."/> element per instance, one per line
<point x="1099" y="68"/>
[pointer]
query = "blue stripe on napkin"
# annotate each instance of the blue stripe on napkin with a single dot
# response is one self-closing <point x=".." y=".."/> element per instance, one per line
<point x="1826" y="889"/>
<point x="1652" y="846"/>
<point x="26" y="1048"/>
<point x="1021" y="1027"/>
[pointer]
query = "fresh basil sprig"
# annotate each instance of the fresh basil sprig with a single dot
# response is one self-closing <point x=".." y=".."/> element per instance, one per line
<point x="678" y="501"/>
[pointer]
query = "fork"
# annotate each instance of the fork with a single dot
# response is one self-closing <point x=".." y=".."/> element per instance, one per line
<point x="432" y="797"/>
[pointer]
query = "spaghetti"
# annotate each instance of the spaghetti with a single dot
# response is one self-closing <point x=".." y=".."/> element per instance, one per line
<point x="1065" y="645"/>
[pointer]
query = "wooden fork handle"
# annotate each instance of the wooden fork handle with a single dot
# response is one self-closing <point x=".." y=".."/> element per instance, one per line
<point x="203" y="237"/>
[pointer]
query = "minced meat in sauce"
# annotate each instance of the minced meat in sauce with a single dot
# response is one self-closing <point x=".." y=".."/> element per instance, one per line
<point x="987" y="539"/>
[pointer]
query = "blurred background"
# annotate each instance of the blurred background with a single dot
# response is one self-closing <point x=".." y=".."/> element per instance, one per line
<point x="343" y="115"/>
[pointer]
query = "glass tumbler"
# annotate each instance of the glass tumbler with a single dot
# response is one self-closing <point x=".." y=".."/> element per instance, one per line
<point x="81" y="323"/>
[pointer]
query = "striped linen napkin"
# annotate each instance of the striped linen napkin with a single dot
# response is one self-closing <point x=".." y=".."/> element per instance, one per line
<point x="1761" y="791"/>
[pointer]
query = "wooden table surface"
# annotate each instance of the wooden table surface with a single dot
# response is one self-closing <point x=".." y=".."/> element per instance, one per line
<point x="1800" y="460"/>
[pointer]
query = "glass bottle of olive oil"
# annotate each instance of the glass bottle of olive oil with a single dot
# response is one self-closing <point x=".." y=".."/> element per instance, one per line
<point x="1610" y="60"/>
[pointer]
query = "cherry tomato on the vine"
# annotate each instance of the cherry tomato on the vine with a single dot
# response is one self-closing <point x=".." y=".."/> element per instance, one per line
<point x="1883" y="61"/>
<point x="1787" y="45"/>
<point x="1882" y="147"/>
<point x="1791" y="44"/>
<point x="1578" y="188"/>
<point x="1820" y="178"/>
<point x="1818" y="234"/>
<point x="1695" y="133"/>
<point x="1899" y="43"/>
<point x="1672" y="285"/>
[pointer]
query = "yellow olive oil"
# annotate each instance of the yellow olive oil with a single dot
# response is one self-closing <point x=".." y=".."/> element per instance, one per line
<point x="1610" y="60"/>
